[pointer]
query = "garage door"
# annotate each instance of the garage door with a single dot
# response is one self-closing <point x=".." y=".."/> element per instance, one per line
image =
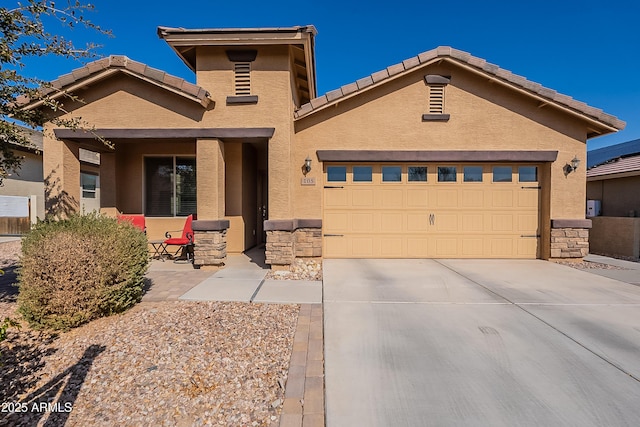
<point x="431" y="210"/>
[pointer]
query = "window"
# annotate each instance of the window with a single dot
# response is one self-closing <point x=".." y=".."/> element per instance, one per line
<point x="417" y="174"/>
<point x="242" y="78"/>
<point x="472" y="173"/>
<point x="447" y="173"/>
<point x="528" y="173"/>
<point x="170" y="186"/>
<point x="88" y="182"/>
<point x="502" y="173"/>
<point x="391" y="174"/>
<point x="362" y="174"/>
<point x="336" y="173"/>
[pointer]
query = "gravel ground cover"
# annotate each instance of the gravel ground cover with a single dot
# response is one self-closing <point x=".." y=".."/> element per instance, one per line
<point x="587" y="265"/>
<point x="172" y="363"/>
<point x="301" y="269"/>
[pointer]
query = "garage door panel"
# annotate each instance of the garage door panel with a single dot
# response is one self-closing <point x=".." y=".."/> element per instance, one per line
<point x="336" y="222"/>
<point x="447" y="198"/>
<point x="392" y="198"/>
<point x="391" y="247"/>
<point x="336" y="246"/>
<point x="472" y="247"/>
<point x="362" y="222"/>
<point x="502" y="247"/>
<point x="362" y="246"/>
<point x="417" y="247"/>
<point x="417" y="222"/>
<point x="502" y="198"/>
<point x="391" y="222"/>
<point x="502" y="222"/>
<point x="362" y="197"/>
<point x="528" y="199"/>
<point x="473" y="222"/>
<point x="335" y="197"/>
<point x="417" y="198"/>
<point x="446" y="247"/>
<point x="472" y="198"/>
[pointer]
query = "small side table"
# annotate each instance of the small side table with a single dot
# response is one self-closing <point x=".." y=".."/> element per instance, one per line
<point x="159" y="250"/>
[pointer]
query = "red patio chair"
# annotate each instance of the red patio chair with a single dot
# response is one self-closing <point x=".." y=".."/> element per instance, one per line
<point x="185" y="242"/>
<point x="137" y="221"/>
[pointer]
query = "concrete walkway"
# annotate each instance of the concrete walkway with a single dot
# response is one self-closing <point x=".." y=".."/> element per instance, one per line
<point x="242" y="279"/>
<point x="479" y="342"/>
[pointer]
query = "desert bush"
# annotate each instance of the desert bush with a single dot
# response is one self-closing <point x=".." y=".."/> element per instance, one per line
<point x="78" y="269"/>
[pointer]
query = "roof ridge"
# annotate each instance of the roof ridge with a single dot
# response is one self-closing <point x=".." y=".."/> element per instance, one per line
<point x="468" y="59"/>
<point x="135" y="67"/>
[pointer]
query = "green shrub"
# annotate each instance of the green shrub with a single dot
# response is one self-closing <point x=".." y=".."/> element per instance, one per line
<point x="78" y="269"/>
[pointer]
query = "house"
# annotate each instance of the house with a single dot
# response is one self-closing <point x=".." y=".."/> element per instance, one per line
<point x="442" y="155"/>
<point x="22" y="193"/>
<point x="613" y="180"/>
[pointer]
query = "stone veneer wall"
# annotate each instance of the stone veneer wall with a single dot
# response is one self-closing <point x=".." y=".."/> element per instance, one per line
<point x="570" y="238"/>
<point x="210" y="239"/>
<point x="279" y="247"/>
<point x="290" y="239"/>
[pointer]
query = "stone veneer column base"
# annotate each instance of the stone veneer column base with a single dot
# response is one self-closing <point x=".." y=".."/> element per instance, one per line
<point x="292" y="238"/>
<point x="210" y="237"/>
<point x="570" y="238"/>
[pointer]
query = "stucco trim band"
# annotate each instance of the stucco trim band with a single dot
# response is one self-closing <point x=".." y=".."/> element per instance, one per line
<point x="245" y="99"/>
<point x="210" y="225"/>
<point x="159" y="133"/>
<point x="435" y="156"/>
<point x="570" y="223"/>
<point x="291" y="224"/>
<point x="435" y="117"/>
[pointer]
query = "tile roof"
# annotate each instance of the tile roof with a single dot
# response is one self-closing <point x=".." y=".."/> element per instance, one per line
<point x="616" y="166"/>
<point x="605" y="154"/>
<point x="466" y="59"/>
<point x="135" y="68"/>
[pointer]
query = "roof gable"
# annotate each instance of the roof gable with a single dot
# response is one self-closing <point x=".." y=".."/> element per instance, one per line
<point x="608" y="122"/>
<point x="107" y="67"/>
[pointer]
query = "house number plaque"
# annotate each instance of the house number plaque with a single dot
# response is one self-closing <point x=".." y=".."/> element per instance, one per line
<point x="308" y="181"/>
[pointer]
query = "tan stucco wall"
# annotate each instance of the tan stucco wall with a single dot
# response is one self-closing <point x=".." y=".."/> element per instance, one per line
<point x="270" y="81"/>
<point x="615" y="236"/>
<point x="483" y="116"/>
<point x="619" y="196"/>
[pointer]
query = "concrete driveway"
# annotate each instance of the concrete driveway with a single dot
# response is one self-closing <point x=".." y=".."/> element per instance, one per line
<point x="479" y="342"/>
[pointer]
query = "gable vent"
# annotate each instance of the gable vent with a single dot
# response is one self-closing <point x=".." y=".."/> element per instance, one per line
<point x="436" y="99"/>
<point x="242" y="78"/>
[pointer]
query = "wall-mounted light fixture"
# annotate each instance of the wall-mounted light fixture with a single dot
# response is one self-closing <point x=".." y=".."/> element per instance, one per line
<point x="568" y="168"/>
<point x="307" y="165"/>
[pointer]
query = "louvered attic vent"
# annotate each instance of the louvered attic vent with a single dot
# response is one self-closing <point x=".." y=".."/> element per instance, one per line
<point x="436" y="99"/>
<point x="436" y="85"/>
<point x="242" y="78"/>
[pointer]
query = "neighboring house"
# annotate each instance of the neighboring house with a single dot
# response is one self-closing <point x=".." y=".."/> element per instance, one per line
<point x="613" y="182"/>
<point x="24" y="189"/>
<point x="22" y="192"/>
<point x="442" y="155"/>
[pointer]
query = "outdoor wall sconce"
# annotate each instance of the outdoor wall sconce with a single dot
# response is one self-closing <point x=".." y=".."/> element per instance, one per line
<point x="575" y="162"/>
<point x="307" y="165"/>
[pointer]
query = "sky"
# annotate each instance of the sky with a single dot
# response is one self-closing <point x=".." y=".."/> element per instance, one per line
<point x="589" y="50"/>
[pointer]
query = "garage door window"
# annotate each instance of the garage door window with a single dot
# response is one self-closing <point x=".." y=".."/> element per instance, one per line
<point x="417" y="173"/>
<point x="472" y="173"/>
<point x="337" y="173"/>
<point x="528" y="173"/>
<point x="362" y="174"/>
<point x="391" y="174"/>
<point x="502" y="174"/>
<point x="447" y="173"/>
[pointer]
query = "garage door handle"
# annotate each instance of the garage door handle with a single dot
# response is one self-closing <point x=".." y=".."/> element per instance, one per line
<point x="333" y="235"/>
<point x="532" y="188"/>
<point x="333" y="186"/>
<point x="432" y="219"/>
<point x="530" y="235"/>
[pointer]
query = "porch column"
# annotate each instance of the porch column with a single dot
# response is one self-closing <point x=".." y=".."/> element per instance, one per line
<point x="61" y="167"/>
<point x="210" y="178"/>
<point x="108" y="182"/>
